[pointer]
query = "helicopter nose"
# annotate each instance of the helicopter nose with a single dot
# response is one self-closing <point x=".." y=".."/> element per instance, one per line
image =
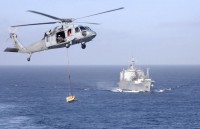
<point x="93" y="34"/>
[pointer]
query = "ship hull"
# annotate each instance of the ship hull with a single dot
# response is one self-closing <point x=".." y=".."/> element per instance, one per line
<point x="144" y="86"/>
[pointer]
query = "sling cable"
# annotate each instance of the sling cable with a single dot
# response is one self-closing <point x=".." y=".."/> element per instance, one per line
<point x="70" y="98"/>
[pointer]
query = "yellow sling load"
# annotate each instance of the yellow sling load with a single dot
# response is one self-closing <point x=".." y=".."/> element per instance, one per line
<point x="71" y="98"/>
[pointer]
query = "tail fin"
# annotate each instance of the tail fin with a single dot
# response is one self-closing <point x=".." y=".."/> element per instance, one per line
<point x="18" y="46"/>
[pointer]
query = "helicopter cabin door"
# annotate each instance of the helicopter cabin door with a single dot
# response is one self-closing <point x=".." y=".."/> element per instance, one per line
<point x="60" y="37"/>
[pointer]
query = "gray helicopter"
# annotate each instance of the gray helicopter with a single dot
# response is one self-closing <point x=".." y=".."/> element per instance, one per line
<point x="65" y="35"/>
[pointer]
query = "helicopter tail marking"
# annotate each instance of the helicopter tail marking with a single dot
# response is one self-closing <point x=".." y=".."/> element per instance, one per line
<point x="17" y="44"/>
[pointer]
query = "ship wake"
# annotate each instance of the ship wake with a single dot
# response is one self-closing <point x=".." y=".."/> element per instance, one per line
<point x="162" y="90"/>
<point x="167" y="89"/>
<point x="126" y="91"/>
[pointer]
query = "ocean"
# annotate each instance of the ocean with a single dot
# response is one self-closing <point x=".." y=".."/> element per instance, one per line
<point x="33" y="97"/>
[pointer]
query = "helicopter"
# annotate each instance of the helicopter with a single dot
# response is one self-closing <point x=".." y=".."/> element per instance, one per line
<point x="64" y="35"/>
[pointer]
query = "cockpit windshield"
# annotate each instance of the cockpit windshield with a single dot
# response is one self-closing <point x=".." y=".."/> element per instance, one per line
<point x="87" y="28"/>
<point x="84" y="28"/>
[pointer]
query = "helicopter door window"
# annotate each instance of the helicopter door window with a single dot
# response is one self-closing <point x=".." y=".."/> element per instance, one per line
<point x="77" y="30"/>
<point x="60" y="37"/>
<point x="69" y="32"/>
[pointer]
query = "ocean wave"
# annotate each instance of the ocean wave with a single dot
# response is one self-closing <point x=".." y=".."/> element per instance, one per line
<point x="8" y="120"/>
<point x="4" y="107"/>
<point x="21" y="122"/>
<point x="18" y="120"/>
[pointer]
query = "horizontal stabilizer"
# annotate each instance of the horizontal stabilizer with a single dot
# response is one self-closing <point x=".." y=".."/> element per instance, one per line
<point x="11" y="50"/>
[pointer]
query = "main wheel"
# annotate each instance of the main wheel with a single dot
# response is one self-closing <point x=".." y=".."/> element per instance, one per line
<point x="83" y="46"/>
<point x="67" y="45"/>
<point x="28" y="59"/>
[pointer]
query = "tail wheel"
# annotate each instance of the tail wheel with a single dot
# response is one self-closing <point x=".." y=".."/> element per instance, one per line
<point x="83" y="46"/>
<point x="29" y="58"/>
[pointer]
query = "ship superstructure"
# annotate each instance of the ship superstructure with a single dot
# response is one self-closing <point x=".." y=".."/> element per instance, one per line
<point x="133" y="79"/>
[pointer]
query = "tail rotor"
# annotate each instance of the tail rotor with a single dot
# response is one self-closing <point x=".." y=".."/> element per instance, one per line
<point x="10" y="30"/>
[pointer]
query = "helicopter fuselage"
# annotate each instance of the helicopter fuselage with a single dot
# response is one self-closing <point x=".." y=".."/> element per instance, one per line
<point x="62" y="36"/>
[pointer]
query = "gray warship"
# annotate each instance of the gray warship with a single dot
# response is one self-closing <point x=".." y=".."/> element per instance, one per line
<point x="133" y="79"/>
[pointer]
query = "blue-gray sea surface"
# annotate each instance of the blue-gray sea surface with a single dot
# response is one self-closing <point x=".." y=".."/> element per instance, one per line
<point x="33" y="97"/>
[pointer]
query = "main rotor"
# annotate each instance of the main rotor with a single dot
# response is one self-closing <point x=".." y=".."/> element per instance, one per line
<point x="64" y="20"/>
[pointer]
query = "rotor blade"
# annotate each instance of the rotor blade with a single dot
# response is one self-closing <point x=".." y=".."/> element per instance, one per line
<point x="101" y="13"/>
<point x="43" y="14"/>
<point x="93" y="23"/>
<point x="35" y="24"/>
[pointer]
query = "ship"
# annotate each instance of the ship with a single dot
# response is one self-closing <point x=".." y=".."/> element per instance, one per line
<point x="134" y="79"/>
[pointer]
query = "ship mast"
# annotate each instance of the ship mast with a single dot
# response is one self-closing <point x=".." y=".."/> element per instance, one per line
<point x="132" y="65"/>
<point x="147" y="74"/>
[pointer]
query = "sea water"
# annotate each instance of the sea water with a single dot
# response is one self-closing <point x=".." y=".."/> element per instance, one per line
<point x="33" y="97"/>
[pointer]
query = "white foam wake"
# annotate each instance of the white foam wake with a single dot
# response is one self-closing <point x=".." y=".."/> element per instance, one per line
<point x="127" y="91"/>
<point x="162" y="90"/>
<point x="116" y="90"/>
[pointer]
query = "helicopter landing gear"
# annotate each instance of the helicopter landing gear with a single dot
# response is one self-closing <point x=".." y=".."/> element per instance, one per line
<point x="29" y="58"/>
<point x="67" y="45"/>
<point x="83" y="45"/>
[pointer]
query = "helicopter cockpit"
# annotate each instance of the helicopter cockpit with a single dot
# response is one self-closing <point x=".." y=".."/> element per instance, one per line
<point x="82" y="28"/>
<point x="84" y="31"/>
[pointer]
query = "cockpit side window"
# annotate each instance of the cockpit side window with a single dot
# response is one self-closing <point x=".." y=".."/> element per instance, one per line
<point x="77" y="30"/>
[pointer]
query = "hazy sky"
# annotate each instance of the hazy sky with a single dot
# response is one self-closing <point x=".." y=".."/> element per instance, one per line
<point x="152" y="31"/>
